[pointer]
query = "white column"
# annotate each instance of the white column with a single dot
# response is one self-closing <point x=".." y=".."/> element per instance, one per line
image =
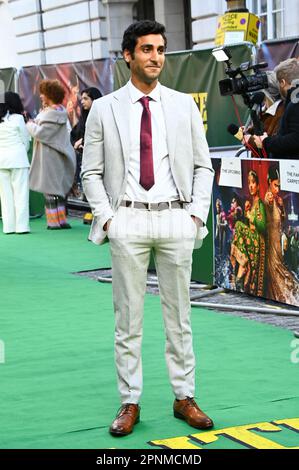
<point x="119" y="17"/>
<point x="204" y="24"/>
<point x="160" y="11"/>
<point x="171" y="14"/>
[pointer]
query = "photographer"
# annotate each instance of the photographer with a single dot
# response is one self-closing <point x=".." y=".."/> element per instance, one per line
<point x="270" y="116"/>
<point x="286" y="143"/>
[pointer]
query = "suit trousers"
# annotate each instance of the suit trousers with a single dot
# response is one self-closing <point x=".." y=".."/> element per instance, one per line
<point x="170" y="233"/>
<point x="14" y="194"/>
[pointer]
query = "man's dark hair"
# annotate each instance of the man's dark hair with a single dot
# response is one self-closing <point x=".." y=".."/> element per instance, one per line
<point x="79" y="129"/>
<point x="92" y="92"/>
<point x="138" y="29"/>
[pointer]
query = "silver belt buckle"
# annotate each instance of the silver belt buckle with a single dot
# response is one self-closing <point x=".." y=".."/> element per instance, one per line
<point x="164" y="205"/>
<point x="153" y="206"/>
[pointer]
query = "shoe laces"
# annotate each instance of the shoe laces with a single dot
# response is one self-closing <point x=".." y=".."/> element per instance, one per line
<point x="191" y="402"/>
<point x="128" y="408"/>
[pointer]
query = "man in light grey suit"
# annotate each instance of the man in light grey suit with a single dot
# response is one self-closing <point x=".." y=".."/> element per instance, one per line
<point x="148" y="178"/>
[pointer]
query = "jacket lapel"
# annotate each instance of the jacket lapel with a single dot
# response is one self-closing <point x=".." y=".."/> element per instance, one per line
<point x="170" y="112"/>
<point x="120" y="108"/>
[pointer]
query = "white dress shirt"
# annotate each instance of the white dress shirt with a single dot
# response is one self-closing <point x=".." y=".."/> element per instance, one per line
<point x="164" y="188"/>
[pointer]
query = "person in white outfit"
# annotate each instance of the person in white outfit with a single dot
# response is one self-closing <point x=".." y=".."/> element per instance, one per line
<point x="14" y="166"/>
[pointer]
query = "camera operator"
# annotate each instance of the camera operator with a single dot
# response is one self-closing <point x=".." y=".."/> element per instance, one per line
<point x="285" y="145"/>
<point x="273" y="109"/>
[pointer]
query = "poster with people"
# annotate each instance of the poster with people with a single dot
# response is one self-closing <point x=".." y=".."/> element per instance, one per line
<point x="256" y="230"/>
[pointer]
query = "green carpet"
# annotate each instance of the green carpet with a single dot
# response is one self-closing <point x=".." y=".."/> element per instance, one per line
<point x="58" y="384"/>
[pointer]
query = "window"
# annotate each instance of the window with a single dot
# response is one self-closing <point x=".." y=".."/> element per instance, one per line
<point x="271" y="13"/>
<point x="144" y="10"/>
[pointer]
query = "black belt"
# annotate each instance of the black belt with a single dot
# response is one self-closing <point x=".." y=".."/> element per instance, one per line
<point x="154" y="206"/>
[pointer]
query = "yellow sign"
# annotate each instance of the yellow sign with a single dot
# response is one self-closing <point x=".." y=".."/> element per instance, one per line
<point x="201" y="101"/>
<point x="237" y="27"/>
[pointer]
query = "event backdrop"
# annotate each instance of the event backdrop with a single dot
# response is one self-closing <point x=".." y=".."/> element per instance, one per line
<point x="194" y="72"/>
<point x="275" y="51"/>
<point x="74" y="76"/>
<point x="256" y="227"/>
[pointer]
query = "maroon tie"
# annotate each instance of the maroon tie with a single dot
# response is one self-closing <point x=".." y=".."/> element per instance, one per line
<point x="147" y="179"/>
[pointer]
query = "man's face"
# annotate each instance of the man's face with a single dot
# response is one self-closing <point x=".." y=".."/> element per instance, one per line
<point x="148" y="59"/>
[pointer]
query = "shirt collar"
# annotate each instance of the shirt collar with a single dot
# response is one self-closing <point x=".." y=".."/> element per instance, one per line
<point x="136" y="94"/>
<point x="273" y="108"/>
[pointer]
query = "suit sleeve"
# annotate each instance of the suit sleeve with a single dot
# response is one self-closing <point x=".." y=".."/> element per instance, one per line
<point x="203" y="174"/>
<point x="93" y="167"/>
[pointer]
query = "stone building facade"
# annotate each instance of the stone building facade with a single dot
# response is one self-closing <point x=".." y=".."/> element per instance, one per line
<point x="57" y="31"/>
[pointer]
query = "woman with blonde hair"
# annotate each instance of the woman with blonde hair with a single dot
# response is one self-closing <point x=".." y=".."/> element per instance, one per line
<point x="54" y="162"/>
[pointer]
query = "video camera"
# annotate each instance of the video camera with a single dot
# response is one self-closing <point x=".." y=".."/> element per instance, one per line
<point x="238" y="82"/>
<point x="246" y="85"/>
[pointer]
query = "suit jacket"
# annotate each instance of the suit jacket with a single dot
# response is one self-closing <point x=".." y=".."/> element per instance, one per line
<point x="106" y="155"/>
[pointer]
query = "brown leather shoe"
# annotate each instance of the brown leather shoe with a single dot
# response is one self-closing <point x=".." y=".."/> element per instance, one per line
<point x="189" y="411"/>
<point x="127" y="416"/>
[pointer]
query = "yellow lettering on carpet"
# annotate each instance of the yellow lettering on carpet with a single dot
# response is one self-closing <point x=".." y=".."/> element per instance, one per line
<point x="246" y="435"/>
